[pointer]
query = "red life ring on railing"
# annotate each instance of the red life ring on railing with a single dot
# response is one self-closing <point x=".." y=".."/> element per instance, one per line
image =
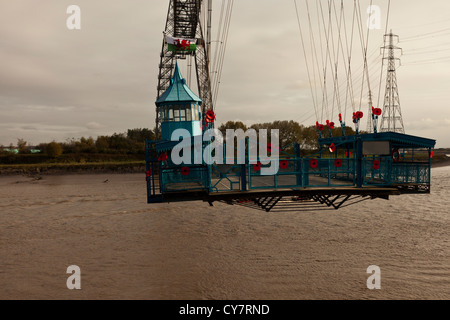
<point x="185" y="171"/>
<point x="395" y="155"/>
<point x="376" y="165"/>
<point x="332" y="148"/>
<point x="210" y="116"/>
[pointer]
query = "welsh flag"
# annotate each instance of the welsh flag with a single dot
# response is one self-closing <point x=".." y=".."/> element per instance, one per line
<point x="179" y="44"/>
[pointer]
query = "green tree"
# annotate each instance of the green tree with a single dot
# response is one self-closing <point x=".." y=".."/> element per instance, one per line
<point x="232" y="125"/>
<point x="140" y="135"/>
<point x="102" y="144"/>
<point x="86" y="145"/>
<point x="22" y="146"/>
<point x="53" y="149"/>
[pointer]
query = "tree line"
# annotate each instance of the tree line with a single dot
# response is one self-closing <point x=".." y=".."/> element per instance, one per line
<point x="132" y="142"/>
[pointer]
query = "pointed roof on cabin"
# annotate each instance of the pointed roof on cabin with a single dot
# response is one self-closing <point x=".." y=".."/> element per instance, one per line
<point x="178" y="90"/>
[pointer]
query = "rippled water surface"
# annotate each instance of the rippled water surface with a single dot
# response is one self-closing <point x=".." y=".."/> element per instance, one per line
<point x="128" y="249"/>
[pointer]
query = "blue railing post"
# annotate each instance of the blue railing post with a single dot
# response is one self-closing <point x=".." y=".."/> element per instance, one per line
<point x="429" y="169"/>
<point x="329" y="172"/>
<point x="247" y="161"/>
<point x="359" y="163"/>
<point x="298" y="165"/>
<point x="209" y="178"/>
<point x="243" y="177"/>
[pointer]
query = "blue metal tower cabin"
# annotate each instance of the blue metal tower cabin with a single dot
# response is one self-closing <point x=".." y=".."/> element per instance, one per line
<point x="179" y="108"/>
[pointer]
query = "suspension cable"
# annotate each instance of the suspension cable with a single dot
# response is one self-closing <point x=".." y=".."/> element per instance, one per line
<point x="306" y="57"/>
<point x="384" y="55"/>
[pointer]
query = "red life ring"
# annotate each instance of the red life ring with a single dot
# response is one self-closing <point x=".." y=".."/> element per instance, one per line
<point x="332" y="148"/>
<point x="314" y="163"/>
<point x="185" y="171"/>
<point x="395" y="155"/>
<point x="376" y="165"/>
<point x="210" y="116"/>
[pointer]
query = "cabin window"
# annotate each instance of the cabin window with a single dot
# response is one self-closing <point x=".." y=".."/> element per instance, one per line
<point x="188" y="113"/>
<point x="194" y="113"/>
<point x="199" y="113"/>
<point x="183" y="113"/>
<point x="176" y="113"/>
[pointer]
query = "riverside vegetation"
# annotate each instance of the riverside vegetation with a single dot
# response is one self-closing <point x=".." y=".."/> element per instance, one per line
<point x="125" y="152"/>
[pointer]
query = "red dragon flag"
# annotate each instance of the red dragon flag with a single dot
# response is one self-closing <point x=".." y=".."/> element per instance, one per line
<point x="180" y="44"/>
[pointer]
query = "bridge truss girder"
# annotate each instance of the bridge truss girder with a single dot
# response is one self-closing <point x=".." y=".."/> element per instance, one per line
<point x="183" y="21"/>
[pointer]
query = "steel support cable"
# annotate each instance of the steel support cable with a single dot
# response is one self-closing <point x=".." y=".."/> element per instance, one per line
<point x="322" y="57"/>
<point x="343" y="86"/>
<point x="348" y="73"/>
<point x="330" y="55"/>
<point x="223" y="46"/>
<point x="306" y="57"/>
<point x="306" y="116"/>
<point x="357" y="79"/>
<point x="349" y="50"/>
<point x="340" y="46"/>
<point x="373" y="59"/>
<point x="325" y="62"/>
<point x="350" y="88"/>
<point x="314" y="55"/>
<point x="217" y="46"/>
<point x="219" y="52"/>
<point x="384" y="54"/>
<point x="364" y="46"/>
<point x="320" y="34"/>
<point x="336" y="98"/>
<point x="361" y="38"/>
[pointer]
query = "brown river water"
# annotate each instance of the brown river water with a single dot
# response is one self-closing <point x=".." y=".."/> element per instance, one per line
<point x="128" y="249"/>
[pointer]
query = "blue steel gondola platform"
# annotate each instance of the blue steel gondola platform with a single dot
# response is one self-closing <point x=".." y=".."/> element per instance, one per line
<point x="360" y="167"/>
<point x="346" y="170"/>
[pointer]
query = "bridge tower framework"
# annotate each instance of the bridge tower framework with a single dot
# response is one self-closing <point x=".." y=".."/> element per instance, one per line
<point x="183" y="21"/>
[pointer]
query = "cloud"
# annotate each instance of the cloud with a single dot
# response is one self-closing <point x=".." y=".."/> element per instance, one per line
<point x="56" y="83"/>
<point x="94" y="126"/>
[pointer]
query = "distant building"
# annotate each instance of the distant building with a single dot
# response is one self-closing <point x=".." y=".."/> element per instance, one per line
<point x="16" y="151"/>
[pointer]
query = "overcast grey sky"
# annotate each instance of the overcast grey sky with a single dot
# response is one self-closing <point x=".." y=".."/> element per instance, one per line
<point x="57" y="84"/>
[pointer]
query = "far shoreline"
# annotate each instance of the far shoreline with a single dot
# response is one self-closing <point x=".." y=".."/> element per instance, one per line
<point x="110" y="168"/>
<point x="38" y="170"/>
